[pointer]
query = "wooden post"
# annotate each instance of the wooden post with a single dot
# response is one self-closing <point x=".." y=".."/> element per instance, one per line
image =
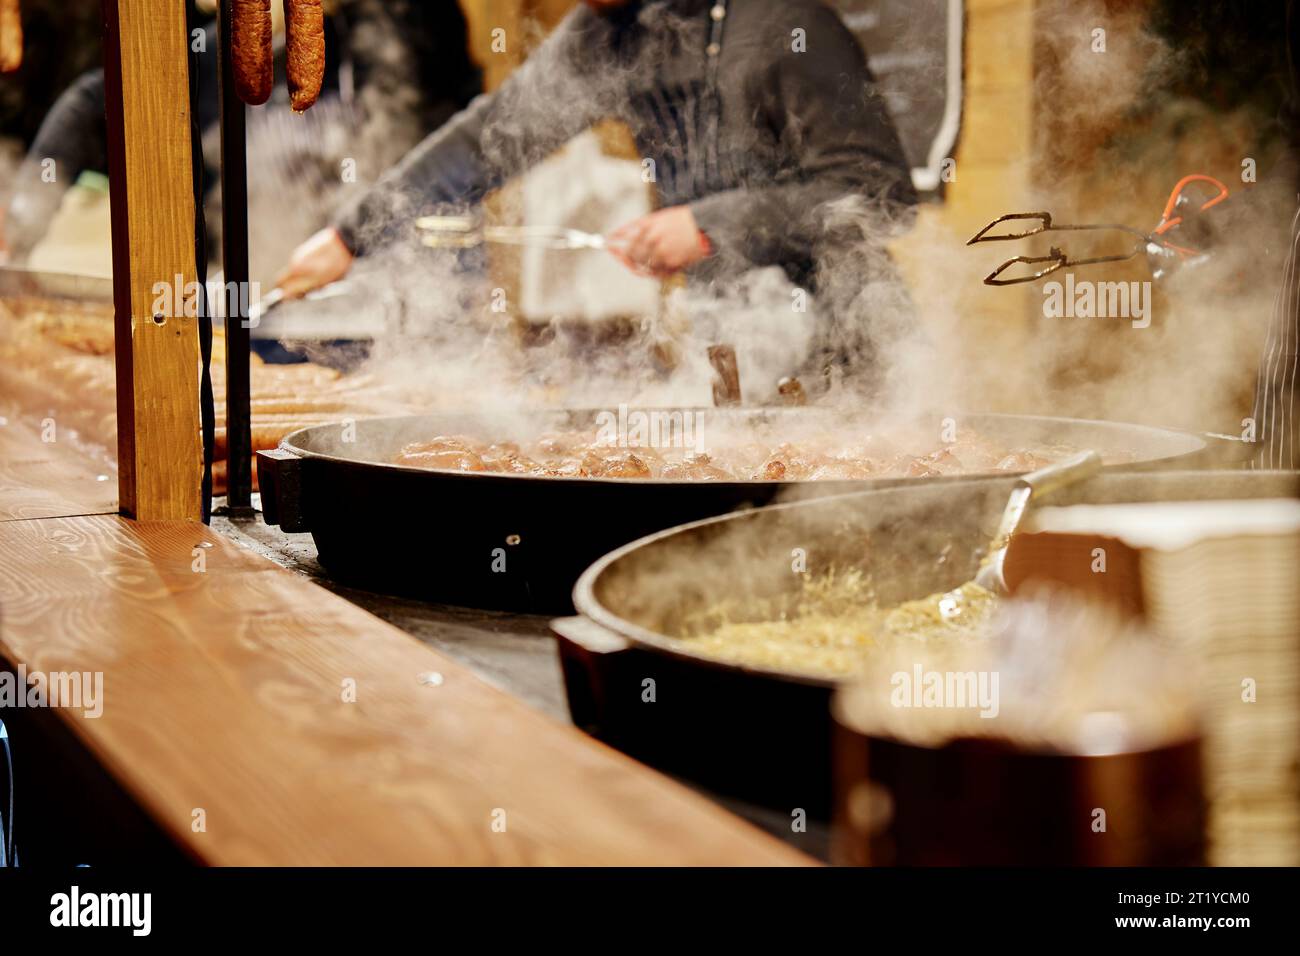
<point x="146" y="74"/>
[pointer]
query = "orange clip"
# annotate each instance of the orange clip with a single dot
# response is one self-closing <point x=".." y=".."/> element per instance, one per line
<point x="1166" y="223"/>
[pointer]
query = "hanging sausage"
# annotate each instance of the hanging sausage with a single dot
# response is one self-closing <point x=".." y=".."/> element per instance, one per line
<point x="11" y="36"/>
<point x="250" y="43"/>
<point x="304" y="32"/>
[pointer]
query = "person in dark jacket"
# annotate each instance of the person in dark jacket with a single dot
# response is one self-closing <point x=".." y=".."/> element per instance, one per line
<point x="753" y="116"/>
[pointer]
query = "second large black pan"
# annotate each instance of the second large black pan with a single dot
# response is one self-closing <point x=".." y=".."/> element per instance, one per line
<point x="764" y="733"/>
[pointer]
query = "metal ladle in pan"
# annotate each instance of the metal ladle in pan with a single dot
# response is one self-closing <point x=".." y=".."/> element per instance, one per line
<point x="990" y="579"/>
<point x="1031" y="486"/>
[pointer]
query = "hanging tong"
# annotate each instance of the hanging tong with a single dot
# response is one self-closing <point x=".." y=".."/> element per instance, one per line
<point x="1155" y="243"/>
<point x="464" y="232"/>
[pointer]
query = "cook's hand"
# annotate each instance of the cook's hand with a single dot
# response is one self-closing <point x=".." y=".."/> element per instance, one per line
<point x="661" y="243"/>
<point x="322" y="259"/>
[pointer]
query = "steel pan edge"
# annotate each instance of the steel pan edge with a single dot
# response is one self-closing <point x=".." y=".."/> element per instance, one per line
<point x="368" y="517"/>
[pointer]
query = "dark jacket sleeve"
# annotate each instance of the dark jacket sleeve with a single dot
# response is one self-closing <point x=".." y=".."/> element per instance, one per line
<point x="833" y="125"/>
<point x="73" y="136"/>
<point x="497" y="136"/>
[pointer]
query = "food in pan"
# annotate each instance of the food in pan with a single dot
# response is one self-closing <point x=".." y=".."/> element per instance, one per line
<point x="740" y="457"/>
<point x="304" y="31"/>
<point x="830" y="626"/>
<point x="250" y="42"/>
<point x="11" y="36"/>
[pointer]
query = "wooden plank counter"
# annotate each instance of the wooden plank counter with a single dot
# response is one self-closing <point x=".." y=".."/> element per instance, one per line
<point x="40" y="480"/>
<point x="512" y="651"/>
<point x="224" y="691"/>
<point x="49" y="479"/>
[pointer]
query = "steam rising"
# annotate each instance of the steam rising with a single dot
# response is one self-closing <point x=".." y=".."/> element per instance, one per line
<point x="1111" y="143"/>
<point x="935" y="344"/>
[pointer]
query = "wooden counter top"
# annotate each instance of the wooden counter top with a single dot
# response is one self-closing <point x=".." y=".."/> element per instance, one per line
<point x="40" y="479"/>
<point x="224" y="691"/>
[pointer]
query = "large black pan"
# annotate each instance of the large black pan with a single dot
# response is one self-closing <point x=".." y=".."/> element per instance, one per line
<point x="516" y="542"/>
<point x="765" y="734"/>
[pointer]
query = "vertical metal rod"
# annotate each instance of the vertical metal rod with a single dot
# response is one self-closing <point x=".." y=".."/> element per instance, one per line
<point x="234" y="259"/>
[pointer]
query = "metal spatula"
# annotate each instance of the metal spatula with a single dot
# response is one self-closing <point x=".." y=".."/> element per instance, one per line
<point x="1032" y="486"/>
<point x="277" y="296"/>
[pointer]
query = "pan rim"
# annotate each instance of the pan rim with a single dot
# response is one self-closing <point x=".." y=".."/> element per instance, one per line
<point x="1196" y="443"/>
<point x="589" y="606"/>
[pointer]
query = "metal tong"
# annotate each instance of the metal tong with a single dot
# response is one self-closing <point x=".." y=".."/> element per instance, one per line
<point x="464" y="232"/>
<point x="1154" y="243"/>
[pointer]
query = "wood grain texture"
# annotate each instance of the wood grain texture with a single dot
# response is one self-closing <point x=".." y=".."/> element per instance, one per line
<point x="146" y="76"/>
<point x="223" y="690"/>
<point x="40" y="479"/>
